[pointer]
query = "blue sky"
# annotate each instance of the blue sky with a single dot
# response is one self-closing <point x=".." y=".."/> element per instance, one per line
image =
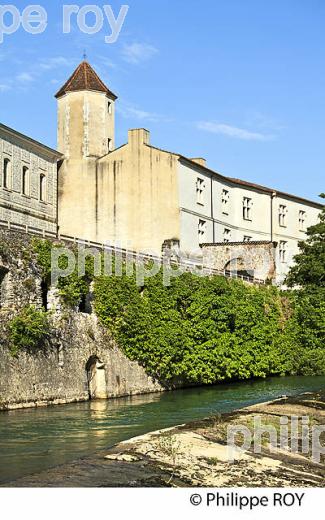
<point x="239" y="82"/>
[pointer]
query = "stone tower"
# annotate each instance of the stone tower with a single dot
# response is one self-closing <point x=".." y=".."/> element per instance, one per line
<point x="86" y="131"/>
<point x="85" y="115"/>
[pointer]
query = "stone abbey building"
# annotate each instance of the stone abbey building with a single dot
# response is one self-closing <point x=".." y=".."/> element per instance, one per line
<point x="138" y="196"/>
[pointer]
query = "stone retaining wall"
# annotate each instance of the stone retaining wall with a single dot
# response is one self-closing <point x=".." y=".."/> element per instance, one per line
<point x="55" y="372"/>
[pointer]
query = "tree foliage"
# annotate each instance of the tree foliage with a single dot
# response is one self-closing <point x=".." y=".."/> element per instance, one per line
<point x="309" y="267"/>
<point x="308" y="273"/>
<point x="205" y="330"/>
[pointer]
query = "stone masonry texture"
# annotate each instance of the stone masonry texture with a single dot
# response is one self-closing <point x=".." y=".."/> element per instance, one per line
<point x="55" y="372"/>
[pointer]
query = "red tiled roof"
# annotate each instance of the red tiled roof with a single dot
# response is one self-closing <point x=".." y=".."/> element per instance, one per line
<point x="84" y="78"/>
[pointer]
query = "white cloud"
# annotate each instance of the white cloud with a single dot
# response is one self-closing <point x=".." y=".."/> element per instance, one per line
<point x="25" y="77"/>
<point x="138" y="52"/>
<point x="131" y="112"/>
<point x="41" y="67"/>
<point x="52" y="63"/>
<point x="107" y="62"/>
<point x="4" y="87"/>
<point x="232" y="131"/>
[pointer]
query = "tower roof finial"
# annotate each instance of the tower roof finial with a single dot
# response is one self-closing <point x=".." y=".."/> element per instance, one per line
<point x="84" y="55"/>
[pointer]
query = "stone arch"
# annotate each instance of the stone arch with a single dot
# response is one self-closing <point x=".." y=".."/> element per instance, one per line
<point x="96" y="378"/>
<point x="4" y="287"/>
<point x="238" y="267"/>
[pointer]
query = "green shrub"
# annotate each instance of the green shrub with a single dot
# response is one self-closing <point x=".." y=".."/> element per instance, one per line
<point x="28" y="329"/>
<point x="201" y="329"/>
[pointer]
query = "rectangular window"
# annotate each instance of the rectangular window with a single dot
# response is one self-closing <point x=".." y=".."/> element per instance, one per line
<point x="302" y="220"/>
<point x="7" y="181"/>
<point x="247" y="238"/>
<point x="42" y="187"/>
<point x="282" y="215"/>
<point x="202" y="226"/>
<point x="225" y="201"/>
<point x="283" y="251"/>
<point x="226" y="235"/>
<point x="247" y="208"/>
<point x="200" y="187"/>
<point x="25" y="181"/>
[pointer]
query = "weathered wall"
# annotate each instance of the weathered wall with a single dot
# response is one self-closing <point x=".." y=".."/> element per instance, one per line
<point x="55" y="372"/>
<point x="257" y="258"/>
<point x="138" y="204"/>
<point x="20" y="279"/>
<point x="26" y="209"/>
<point x="85" y="126"/>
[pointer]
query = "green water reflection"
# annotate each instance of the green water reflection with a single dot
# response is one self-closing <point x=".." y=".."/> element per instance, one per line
<point x="35" y="439"/>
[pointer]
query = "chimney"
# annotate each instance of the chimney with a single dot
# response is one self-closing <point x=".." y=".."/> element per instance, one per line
<point x="200" y="161"/>
<point x="138" y="137"/>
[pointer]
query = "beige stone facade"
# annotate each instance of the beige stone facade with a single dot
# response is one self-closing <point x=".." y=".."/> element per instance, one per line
<point x="138" y="196"/>
<point x="28" y="182"/>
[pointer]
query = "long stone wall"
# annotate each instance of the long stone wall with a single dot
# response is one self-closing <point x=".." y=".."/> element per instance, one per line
<point x="79" y="359"/>
<point x="57" y="373"/>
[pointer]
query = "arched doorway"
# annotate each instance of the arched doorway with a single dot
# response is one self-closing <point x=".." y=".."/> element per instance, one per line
<point x="236" y="267"/>
<point x="96" y="377"/>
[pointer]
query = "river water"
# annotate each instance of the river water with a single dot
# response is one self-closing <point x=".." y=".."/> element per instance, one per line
<point x="33" y="440"/>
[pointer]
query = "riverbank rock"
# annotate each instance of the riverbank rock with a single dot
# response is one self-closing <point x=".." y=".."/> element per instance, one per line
<point x="198" y="454"/>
